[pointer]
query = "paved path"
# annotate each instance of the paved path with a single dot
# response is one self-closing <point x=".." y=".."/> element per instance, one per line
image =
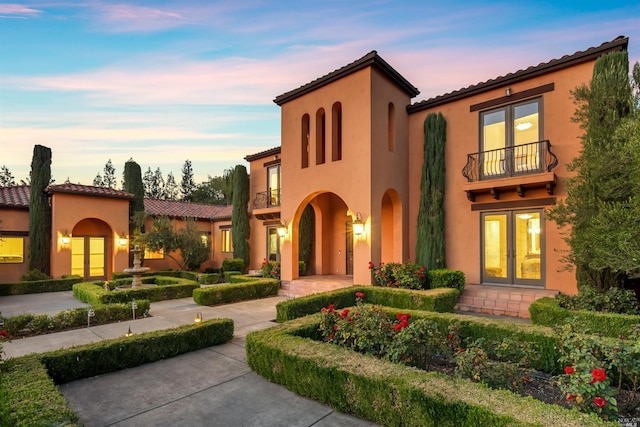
<point x="209" y="387"/>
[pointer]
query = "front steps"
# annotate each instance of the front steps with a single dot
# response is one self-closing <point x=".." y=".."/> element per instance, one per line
<point x="313" y="284"/>
<point x="500" y="300"/>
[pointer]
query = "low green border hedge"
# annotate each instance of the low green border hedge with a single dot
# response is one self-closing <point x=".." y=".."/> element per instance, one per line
<point x="93" y="293"/>
<point x="241" y="288"/>
<point x="387" y="393"/>
<point x="203" y="278"/>
<point x="39" y="286"/>
<point x="547" y="312"/>
<point x="440" y="300"/>
<point x="29" y="397"/>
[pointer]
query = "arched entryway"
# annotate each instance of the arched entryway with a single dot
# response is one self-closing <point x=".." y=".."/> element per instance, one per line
<point x="91" y="249"/>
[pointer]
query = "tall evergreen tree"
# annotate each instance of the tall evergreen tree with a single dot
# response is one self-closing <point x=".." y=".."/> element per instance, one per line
<point x="170" y="188"/>
<point x="240" y="214"/>
<point x="187" y="184"/>
<point x="39" y="210"/>
<point x="430" y="249"/>
<point x="6" y="178"/>
<point x="109" y="175"/>
<point x="306" y="235"/>
<point x="132" y="183"/>
<point x="97" y="181"/>
<point x="604" y="170"/>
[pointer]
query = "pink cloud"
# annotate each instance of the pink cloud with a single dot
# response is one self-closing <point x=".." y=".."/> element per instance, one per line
<point x="131" y="18"/>
<point x="12" y="10"/>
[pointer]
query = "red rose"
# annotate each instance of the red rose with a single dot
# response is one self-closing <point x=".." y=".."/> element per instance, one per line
<point x="397" y="327"/>
<point x="570" y="397"/>
<point x="344" y="313"/>
<point x="335" y="327"/>
<point x="450" y="337"/>
<point x="598" y="375"/>
<point x="331" y="337"/>
<point x="360" y="295"/>
<point x="569" y="370"/>
<point x="599" y="401"/>
<point x="330" y="308"/>
<point x="526" y="378"/>
<point x="371" y="265"/>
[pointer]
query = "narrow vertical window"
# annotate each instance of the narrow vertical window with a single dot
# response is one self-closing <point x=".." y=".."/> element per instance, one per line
<point x="304" y="140"/>
<point x="391" y="114"/>
<point x="320" y="137"/>
<point x="336" y="132"/>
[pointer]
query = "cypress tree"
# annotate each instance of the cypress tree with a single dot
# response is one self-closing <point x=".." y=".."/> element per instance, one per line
<point x="430" y="249"/>
<point x="133" y="184"/>
<point x="240" y="214"/>
<point x="40" y="211"/>
<point x="604" y="172"/>
<point x="306" y="235"/>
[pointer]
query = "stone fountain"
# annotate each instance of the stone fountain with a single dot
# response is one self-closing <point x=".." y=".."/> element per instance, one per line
<point x="136" y="271"/>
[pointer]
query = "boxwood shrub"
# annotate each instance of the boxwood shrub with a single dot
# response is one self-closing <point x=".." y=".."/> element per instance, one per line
<point x="547" y="312"/>
<point x="387" y="393"/>
<point x="39" y="286"/>
<point x="232" y="264"/>
<point x="443" y="278"/>
<point x="29" y="397"/>
<point x="440" y="300"/>
<point x="93" y="292"/>
<point x="241" y="288"/>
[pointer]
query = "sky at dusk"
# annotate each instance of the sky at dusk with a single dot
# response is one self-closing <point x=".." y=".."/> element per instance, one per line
<point x="166" y="81"/>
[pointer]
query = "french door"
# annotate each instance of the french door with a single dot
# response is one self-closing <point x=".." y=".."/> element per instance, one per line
<point x="88" y="257"/>
<point x="513" y="247"/>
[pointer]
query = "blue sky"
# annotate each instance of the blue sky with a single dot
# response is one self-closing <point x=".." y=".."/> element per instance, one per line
<point x="166" y="81"/>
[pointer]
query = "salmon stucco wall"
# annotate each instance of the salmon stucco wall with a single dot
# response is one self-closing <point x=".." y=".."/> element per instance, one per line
<point x="15" y="223"/>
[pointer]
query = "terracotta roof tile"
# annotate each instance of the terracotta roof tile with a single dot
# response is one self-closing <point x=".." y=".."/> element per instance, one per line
<point x="371" y="59"/>
<point x="15" y="196"/>
<point x="619" y="43"/>
<point x="89" y="190"/>
<point x="178" y="209"/>
<point x="261" y="154"/>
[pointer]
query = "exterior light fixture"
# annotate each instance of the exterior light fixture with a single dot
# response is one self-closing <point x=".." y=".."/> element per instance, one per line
<point x="358" y="225"/>
<point x="90" y="313"/>
<point x="508" y="91"/>
<point x="129" y="333"/>
<point x="123" y="240"/>
<point x="134" y="305"/>
<point x="65" y="240"/>
<point x="198" y="318"/>
<point x="283" y="231"/>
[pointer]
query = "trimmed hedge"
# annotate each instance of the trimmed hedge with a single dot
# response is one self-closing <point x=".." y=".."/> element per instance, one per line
<point x="440" y="300"/>
<point x="444" y="278"/>
<point x="93" y="293"/>
<point x="202" y="278"/>
<point x="232" y="264"/>
<point x="39" y="286"/>
<point x="28" y="396"/>
<point x="547" y="312"/>
<point x="241" y="288"/>
<point x="388" y="393"/>
<point x="76" y="317"/>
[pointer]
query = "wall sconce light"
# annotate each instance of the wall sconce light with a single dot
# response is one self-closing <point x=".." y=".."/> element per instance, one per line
<point x="508" y="91"/>
<point x="65" y="240"/>
<point x="123" y="240"/>
<point x="198" y="318"/>
<point x="129" y="333"/>
<point x="358" y="225"/>
<point x="283" y="231"/>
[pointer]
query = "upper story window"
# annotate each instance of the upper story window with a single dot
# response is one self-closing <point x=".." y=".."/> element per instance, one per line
<point x="321" y="144"/>
<point x="509" y="139"/>
<point x="11" y="250"/>
<point x="273" y="185"/>
<point x="336" y="132"/>
<point x="304" y="141"/>
<point x="391" y="123"/>
<point x="226" y="245"/>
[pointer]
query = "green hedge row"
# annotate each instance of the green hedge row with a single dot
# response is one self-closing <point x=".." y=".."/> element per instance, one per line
<point x="440" y="300"/>
<point x="202" y="278"/>
<point x="444" y="278"/>
<point x="29" y="397"/>
<point x="39" y="286"/>
<point x="241" y="288"/>
<point x="93" y="293"/>
<point x="43" y="323"/>
<point x="391" y="394"/>
<point x="547" y="312"/>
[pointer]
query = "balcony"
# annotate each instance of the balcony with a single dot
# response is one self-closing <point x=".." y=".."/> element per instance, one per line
<point x="519" y="167"/>
<point x="266" y="204"/>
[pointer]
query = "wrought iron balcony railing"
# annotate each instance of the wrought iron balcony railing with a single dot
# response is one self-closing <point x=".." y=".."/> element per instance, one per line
<point x="534" y="157"/>
<point x="267" y="199"/>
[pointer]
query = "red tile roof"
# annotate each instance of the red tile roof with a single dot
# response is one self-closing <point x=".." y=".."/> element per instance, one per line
<point x="88" y="190"/>
<point x="619" y="43"/>
<point x="371" y="59"/>
<point x="266" y="153"/>
<point x="15" y="197"/>
<point x="178" y="209"/>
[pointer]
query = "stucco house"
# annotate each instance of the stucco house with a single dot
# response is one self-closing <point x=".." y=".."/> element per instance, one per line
<point x="352" y="148"/>
<point x="89" y="230"/>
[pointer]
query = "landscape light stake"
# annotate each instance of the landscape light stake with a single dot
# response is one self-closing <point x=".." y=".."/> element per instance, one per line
<point x="134" y="305"/>
<point x="90" y="314"/>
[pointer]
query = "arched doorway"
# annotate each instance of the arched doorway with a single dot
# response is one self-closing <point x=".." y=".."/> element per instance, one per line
<point x="91" y="248"/>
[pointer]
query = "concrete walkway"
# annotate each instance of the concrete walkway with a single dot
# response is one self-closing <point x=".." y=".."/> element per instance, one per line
<point x="212" y="387"/>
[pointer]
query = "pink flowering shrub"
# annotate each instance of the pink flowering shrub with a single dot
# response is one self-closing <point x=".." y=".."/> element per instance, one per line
<point x="406" y="275"/>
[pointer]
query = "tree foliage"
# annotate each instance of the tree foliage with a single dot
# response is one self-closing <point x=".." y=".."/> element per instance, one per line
<point x="187" y="241"/>
<point x="108" y="179"/>
<point x="216" y="190"/>
<point x="601" y="208"/>
<point x="240" y="214"/>
<point x="39" y="210"/>
<point x="187" y="184"/>
<point x="170" y="188"/>
<point x="132" y="183"/>
<point x="306" y="235"/>
<point x="430" y="249"/>
<point x="6" y="178"/>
